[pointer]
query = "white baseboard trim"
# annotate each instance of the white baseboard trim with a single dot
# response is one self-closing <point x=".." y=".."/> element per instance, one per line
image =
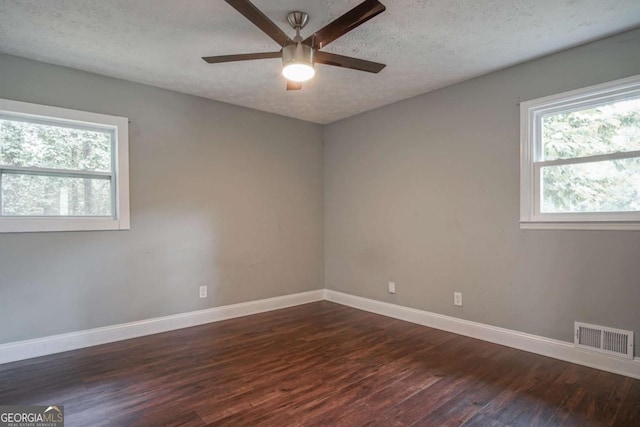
<point x="20" y="350"/>
<point x="556" y="349"/>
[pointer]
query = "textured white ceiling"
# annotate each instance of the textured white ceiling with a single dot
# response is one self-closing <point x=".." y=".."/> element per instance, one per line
<point x="427" y="44"/>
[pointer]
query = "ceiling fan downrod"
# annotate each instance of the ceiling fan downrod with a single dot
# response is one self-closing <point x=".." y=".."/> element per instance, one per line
<point x="297" y="20"/>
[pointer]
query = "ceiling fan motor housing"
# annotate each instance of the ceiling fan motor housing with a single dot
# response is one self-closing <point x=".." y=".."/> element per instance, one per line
<point x="297" y="54"/>
<point x="297" y="62"/>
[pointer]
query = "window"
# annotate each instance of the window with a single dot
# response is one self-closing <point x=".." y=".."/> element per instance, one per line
<point x="580" y="158"/>
<point x="62" y="170"/>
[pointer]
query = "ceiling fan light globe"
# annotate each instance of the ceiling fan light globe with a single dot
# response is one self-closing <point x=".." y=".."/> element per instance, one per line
<point x="298" y="72"/>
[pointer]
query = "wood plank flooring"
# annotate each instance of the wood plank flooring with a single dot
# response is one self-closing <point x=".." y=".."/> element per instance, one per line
<point x="318" y="364"/>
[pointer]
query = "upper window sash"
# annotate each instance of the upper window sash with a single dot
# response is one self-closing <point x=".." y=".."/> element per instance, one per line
<point x="531" y="157"/>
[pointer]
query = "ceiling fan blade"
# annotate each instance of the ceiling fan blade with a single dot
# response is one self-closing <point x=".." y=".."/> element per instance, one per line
<point x="293" y="85"/>
<point x="347" y="62"/>
<point x="347" y="22"/>
<point x="260" y="20"/>
<point x="242" y="57"/>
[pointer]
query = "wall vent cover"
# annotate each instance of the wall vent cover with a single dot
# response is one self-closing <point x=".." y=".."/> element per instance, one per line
<point x="612" y="341"/>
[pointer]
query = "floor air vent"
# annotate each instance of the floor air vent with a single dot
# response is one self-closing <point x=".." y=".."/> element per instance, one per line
<point x="617" y="342"/>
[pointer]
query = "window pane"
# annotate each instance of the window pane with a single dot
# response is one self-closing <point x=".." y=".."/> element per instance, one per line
<point x="37" y="195"/>
<point x="608" y="186"/>
<point x="23" y="143"/>
<point x="605" y="129"/>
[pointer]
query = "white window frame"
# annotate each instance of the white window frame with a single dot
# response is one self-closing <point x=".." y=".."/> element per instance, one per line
<point x="531" y="113"/>
<point x="119" y="174"/>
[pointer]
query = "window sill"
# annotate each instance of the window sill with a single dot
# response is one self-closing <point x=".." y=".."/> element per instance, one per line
<point x="580" y="225"/>
<point x="34" y="225"/>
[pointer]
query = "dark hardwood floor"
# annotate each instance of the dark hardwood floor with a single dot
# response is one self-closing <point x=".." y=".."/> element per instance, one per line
<point x="318" y="364"/>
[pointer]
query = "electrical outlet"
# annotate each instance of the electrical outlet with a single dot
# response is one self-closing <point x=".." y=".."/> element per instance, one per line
<point x="457" y="298"/>
<point x="203" y="291"/>
<point x="392" y="287"/>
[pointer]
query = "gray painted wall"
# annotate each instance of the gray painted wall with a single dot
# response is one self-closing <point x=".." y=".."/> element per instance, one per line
<point x="220" y="195"/>
<point x="425" y="192"/>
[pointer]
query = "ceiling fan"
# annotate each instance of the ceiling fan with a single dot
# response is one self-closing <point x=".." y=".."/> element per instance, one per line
<point x="299" y="55"/>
